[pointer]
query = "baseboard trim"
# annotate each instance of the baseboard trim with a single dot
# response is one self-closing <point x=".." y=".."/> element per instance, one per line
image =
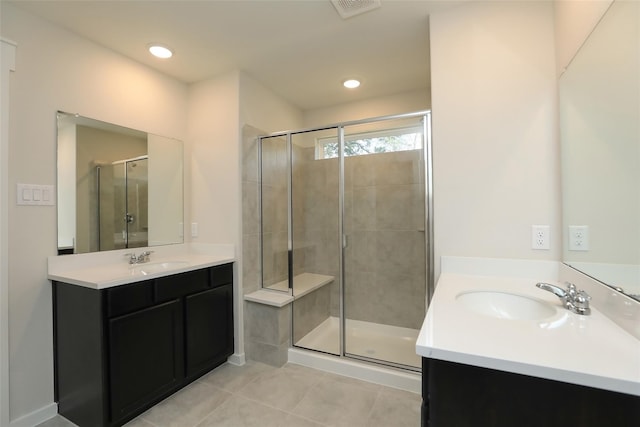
<point x="36" y="417"/>
<point x="237" y="359"/>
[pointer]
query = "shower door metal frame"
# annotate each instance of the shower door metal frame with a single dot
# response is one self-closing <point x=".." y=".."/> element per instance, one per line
<point x="428" y="209"/>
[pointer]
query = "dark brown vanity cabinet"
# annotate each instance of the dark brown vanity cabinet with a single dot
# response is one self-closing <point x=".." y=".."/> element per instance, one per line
<point x="454" y="394"/>
<point x="120" y="350"/>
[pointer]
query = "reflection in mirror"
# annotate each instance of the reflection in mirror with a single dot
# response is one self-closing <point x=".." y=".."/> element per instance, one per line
<point x="117" y="187"/>
<point x="600" y="140"/>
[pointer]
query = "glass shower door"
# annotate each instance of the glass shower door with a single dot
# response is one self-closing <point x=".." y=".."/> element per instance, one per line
<point x="384" y="227"/>
<point x="123" y="204"/>
<point x="315" y="198"/>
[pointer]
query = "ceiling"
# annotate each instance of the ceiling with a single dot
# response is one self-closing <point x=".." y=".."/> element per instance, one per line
<point x="300" y="49"/>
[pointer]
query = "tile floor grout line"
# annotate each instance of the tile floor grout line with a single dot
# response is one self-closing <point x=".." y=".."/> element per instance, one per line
<point x="282" y="410"/>
<point x="227" y="397"/>
<point x="375" y="401"/>
<point x="300" y="401"/>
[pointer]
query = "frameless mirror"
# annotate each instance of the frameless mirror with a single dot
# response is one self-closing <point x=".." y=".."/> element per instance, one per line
<point x="600" y="141"/>
<point x="117" y="187"/>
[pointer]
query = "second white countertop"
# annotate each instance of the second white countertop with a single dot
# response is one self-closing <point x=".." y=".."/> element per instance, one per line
<point x="586" y="350"/>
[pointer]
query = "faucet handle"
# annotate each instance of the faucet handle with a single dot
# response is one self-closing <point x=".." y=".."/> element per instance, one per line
<point x="132" y="257"/>
<point x="583" y="298"/>
<point x="144" y="256"/>
<point x="581" y="303"/>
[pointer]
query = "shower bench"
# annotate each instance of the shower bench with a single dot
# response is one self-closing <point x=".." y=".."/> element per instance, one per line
<point x="270" y="311"/>
<point x="303" y="284"/>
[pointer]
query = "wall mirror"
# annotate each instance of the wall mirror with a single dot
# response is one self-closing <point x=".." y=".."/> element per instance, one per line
<point x="118" y="188"/>
<point x="600" y="143"/>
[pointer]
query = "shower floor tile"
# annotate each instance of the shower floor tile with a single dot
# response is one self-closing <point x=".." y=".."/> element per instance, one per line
<point x="264" y="396"/>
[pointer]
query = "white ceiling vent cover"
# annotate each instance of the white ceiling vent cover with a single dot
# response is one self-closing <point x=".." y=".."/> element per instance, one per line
<point x="349" y="8"/>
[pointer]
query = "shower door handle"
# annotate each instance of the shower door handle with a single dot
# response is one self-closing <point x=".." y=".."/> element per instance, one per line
<point x="344" y="241"/>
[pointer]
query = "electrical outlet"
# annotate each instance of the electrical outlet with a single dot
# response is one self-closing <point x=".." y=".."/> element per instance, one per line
<point x="540" y="237"/>
<point x="578" y="237"/>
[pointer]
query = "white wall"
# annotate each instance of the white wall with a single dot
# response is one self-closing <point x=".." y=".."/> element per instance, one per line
<point x="56" y="70"/>
<point x="213" y="186"/>
<point x="574" y="21"/>
<point x="495" y="149"/>
<point x="213" y="136"/>
<point x="263" y="109"/>
<point x="407" y="102"/>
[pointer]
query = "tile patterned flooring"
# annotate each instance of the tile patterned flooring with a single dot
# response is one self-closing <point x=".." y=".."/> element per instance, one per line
<point x="291" y="396"/>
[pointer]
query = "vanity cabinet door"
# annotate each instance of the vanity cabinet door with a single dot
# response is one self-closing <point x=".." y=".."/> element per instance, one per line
<point x="145" y="357"/>
<point x="208" y="329"/>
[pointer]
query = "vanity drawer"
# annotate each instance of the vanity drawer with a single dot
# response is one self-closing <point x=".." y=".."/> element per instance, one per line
<point x="128" y="298"/>
<point x="179" y="285"/>
<point x="221" y="275"/>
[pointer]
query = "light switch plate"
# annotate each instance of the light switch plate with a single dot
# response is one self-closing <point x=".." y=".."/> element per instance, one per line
<point x="35" y="195"/>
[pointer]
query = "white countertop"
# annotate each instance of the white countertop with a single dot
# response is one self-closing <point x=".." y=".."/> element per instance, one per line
<point x="586" y="350"/>
<point x="100" y="270"/>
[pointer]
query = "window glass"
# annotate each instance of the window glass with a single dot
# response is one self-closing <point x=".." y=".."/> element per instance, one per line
<point x="371" y="143"/>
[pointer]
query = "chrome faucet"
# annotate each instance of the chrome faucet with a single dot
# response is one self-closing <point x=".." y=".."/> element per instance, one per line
<point x="574" y="300"/>
<point x="142" y="258"/>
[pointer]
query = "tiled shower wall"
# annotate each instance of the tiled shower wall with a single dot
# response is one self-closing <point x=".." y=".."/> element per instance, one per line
<point x="385" y="227"/>
<point x="385" y="262"/>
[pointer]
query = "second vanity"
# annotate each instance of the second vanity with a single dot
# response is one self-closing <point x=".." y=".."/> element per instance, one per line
<point x="128" y="335"/>
<point x="498" y="351"/>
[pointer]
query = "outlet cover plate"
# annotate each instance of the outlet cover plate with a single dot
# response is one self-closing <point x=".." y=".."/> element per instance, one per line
<point x="540" y="237"/>
<point x="578" y="237"/>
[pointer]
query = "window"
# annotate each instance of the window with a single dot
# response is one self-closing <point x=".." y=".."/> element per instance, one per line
<point x="385" y="141"/>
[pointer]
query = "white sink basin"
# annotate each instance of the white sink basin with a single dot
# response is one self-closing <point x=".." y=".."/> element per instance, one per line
<point x="504" y="305"/>
<point x="156" y="267"/>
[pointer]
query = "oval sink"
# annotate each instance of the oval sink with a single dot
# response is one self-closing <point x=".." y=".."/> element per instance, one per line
<point x="504" y="305"/>
<point x="156" y="267"/>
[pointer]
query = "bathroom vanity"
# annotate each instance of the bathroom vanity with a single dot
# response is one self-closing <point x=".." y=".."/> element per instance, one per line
<point x="497" y="351"/>
<point x="124" y="343"/>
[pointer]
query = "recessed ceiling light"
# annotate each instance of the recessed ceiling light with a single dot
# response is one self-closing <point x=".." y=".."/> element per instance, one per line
<point x="351" y="83"/>
<point x="160" y="51"/>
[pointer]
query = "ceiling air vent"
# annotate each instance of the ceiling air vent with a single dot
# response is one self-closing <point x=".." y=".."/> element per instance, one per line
<point x="349" y="8"/>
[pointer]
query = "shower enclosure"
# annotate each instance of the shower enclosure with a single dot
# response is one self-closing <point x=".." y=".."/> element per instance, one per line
<point x="346" y="230"/>
<point x="122" y="204"/>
